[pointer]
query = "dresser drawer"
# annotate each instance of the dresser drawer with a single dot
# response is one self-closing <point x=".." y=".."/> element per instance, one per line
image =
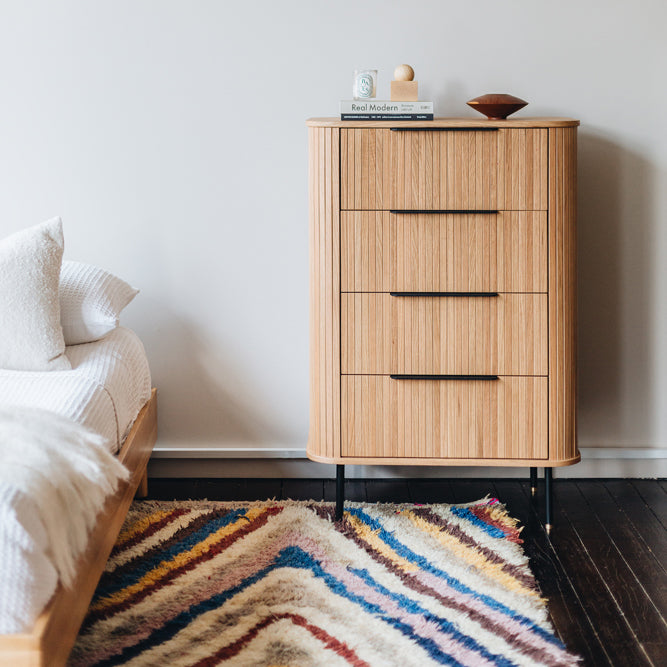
<point x="384" y="252"/>
<point x="457" y="169"/>
<point x="501" y="335"/>
<point x="504" y="418"/>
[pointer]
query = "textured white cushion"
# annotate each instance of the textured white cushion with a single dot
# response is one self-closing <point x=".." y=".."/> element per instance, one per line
<point x="31" y="337"/>
<point x="91" y="301"/>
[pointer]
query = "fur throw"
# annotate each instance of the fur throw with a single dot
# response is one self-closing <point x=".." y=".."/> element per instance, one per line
<point x="54" y="478"/>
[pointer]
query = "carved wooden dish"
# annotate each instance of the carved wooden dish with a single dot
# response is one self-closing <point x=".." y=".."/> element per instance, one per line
<point x="497" y="106"/>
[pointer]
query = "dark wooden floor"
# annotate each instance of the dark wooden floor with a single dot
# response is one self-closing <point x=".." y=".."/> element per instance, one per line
<point x="603" y="569"/>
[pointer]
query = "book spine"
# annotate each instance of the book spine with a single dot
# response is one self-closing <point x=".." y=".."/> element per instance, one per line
<point x="386" y="116"/>
<point x="385" y="107"/>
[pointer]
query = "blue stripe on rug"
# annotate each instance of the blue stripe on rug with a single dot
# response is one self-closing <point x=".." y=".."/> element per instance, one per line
<point x="465" y="513"/>
<point x="110" y="585"/>
<point x="294" y="557"/>
<point x="415" y="608"/>
<point x="389" y="539"/>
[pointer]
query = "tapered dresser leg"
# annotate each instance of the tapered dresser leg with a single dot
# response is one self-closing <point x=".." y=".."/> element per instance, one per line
<point x="340" y="491"/>
<point x="533" y="481"/>
<point x="548" y="500"/>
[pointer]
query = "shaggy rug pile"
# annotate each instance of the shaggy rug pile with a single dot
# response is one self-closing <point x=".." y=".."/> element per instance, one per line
<point x="281" y="583"/>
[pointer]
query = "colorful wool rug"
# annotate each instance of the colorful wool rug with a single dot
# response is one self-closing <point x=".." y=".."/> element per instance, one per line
<point x="280" y="583"/>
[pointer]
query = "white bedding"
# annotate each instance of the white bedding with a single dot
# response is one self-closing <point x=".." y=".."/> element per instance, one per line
<point x="104" y="391"/>
<point x="107" y="386"/>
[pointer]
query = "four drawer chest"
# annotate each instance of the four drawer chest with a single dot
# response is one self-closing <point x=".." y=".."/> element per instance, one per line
<point x="443" y="293"/>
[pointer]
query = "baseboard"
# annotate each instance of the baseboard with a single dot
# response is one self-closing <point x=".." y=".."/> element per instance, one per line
<point x="638" y="453"/>
<point x="300" y="453"/>
<point x="229" y="453"/>
<point x="638" y="462"/>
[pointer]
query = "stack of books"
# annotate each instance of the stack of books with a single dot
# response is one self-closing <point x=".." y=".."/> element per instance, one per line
<point x="385" y="110"/>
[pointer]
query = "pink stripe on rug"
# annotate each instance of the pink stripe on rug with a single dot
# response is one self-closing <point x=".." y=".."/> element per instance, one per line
<point x="516" y="634"/>
<point x="513" y="628"/>
<point x="427" y="629"/>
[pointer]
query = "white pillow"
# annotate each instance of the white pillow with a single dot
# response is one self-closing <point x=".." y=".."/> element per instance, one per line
<point x="91" y="301"/>
<point x="31" y="337"/>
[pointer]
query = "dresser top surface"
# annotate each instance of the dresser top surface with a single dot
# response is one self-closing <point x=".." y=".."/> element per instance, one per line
<point x="445" y="122"/>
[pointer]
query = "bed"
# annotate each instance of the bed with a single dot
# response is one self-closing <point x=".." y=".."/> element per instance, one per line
<point x="51" y="640"/>
<point x="108" y="390"/>
<point x="91" y="373"/>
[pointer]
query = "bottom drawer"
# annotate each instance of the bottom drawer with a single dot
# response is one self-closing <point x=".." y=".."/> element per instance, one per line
<point x="463" y="419"/>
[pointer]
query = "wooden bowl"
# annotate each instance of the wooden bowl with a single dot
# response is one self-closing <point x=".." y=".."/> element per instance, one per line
<point x="497" y="106"/>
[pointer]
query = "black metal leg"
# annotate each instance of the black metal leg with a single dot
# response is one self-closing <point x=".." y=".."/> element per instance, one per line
<point x="548" y="499"/>
<point x="533" y="481"/>
<point x="340" y="491"/>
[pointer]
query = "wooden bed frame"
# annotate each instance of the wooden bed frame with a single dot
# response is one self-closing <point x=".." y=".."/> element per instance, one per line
<point x="50" y="642"/>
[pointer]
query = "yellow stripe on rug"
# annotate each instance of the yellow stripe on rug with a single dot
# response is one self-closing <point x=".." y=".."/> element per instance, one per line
<point x="490" y="569"/>
<point x="177" y="561"/>
<point x="141" y="526"/>
<point x="371" y="538"/>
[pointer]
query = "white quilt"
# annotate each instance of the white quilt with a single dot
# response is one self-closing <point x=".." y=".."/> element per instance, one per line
<point x="54" y="478"/>
<point x="107" y="386"/>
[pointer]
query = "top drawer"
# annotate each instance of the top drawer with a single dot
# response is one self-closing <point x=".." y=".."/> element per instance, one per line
<point x="427" y="169"/>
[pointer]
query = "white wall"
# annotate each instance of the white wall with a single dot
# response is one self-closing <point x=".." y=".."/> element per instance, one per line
<point x="170" y="137"/>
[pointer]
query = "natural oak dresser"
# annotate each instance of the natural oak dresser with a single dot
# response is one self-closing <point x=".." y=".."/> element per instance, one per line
<point x="442" y="293"/>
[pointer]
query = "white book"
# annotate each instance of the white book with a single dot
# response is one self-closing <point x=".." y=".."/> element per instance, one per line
<point x="384" y="107"/>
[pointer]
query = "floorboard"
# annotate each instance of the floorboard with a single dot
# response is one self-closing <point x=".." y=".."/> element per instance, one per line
<point x="469" y="490"/>
<point x="388" y="491"/>
<point x="173" y="489"/>
<point x="650" y="580"/>
<point x="587" y="556"/>
<point x="654" y="496"/>
<point x="603" y="569"/>
<point x="656" y="652"/>
<point x="570" y="620"/>
<point x="430" y="491"/>
<point x="303" y="489"/>
<point x="641" y="516"/>
<point x="239" y="489"/>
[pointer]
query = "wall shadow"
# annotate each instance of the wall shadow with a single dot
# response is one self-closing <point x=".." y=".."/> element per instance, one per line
<point x="615" y="293"/>
<point x="204" y="398"/>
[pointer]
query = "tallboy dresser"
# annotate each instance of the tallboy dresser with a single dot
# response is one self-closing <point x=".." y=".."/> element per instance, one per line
<point x="442" y="294"/>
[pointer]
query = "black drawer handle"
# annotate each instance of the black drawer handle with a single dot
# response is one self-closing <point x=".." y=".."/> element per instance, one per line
<point x="466" y="294"/>
<point x="407" y="211"/>
<point x="444" y="129"/>
<point x="444" y="377"/>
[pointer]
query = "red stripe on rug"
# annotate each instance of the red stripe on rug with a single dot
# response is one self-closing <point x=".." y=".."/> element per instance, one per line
<point x="329" y="642"/>
<point x="151" y="529"/>
<point x="214" y="550"/>
<point x="512" y="533"/>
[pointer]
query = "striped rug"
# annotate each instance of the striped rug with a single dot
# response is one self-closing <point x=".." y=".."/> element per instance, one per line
<point x="280" y="583"/>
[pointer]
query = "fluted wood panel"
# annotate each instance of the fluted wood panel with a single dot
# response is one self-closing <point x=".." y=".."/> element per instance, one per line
<point x="503" y="335"/>
<point x="324" y="213"/>
<point x="443" y="170"/>
<point x="523" y="169"/>
<point x="562" y="293"/>
<point x="505" y="418"/>
<point x="382" y="252"/>
<point x="458" y="169"/>
<point x="364" y="164"/>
